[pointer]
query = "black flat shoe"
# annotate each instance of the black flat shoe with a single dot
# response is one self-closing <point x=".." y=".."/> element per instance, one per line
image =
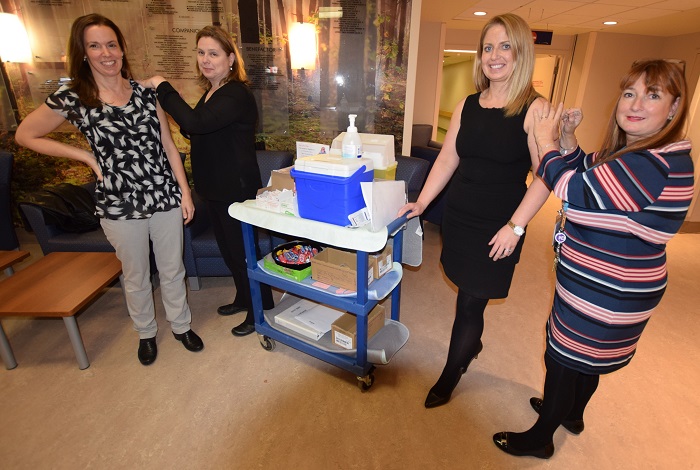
<point x="244" y="329"/>
<point x="574" y="426"/>
<point x="190" y="340"/>
<point x="230" y="309"/>
<point x="148" y="351"/>
<point x="433" y="400"/>
<point x="501" y="441"/>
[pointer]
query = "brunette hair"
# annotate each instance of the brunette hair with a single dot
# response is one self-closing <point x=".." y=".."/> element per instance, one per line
<point x="83" y="83"/>
<point x="521" y="92"/>
<point x="659" y="74"/>
<point x="237" y="72"/>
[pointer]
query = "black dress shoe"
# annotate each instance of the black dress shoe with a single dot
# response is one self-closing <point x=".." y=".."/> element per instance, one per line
<point x="148" y="351"/>
<point x="190" y="339"/>
<point x="244" y="329"/>
<point x="501" y="441"/>
<point x="574" y="426"/>
<point x="230" y="309"/>
<point x="433" y="400"/>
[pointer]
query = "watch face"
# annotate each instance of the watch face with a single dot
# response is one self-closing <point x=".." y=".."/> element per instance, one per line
<point x="519" y="231"/>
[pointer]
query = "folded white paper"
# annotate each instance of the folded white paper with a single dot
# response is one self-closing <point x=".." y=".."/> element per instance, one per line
<point x="383" y="199"/>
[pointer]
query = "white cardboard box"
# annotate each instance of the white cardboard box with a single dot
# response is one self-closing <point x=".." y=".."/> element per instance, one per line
<point x="309" y="318"/>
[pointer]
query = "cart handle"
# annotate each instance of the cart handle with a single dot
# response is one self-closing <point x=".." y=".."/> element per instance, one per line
<point x="396" y="225"/>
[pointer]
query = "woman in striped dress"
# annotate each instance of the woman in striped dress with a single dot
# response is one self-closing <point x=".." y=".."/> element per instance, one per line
<point x="620" y="207"/>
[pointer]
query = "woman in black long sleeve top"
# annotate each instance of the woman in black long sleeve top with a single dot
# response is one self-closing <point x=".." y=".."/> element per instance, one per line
<point x="224" y="166"/>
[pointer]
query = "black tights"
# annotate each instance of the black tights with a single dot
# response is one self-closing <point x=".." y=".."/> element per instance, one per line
<point x="566" y="394"/>
<point x="464" y="342"/>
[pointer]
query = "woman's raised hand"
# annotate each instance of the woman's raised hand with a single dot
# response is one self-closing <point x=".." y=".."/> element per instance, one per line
<point x="546" y="126"/>
<point x="570" y="120"/>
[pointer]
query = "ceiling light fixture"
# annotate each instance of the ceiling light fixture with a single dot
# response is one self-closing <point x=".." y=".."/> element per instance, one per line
<point x="609" y="23"/>
<point x="479" y="13"/>
<point x="466" y="51"/>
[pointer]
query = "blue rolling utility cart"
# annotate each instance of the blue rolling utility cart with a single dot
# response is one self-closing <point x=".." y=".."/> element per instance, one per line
<point x="382" y="346"/>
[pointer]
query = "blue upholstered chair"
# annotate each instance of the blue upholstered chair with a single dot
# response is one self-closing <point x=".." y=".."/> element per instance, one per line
<point x="426" y="149"/>
<point x="8" y="237"/>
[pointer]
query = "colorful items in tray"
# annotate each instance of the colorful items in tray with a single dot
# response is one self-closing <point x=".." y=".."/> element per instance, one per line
<point x="296" y="254"/>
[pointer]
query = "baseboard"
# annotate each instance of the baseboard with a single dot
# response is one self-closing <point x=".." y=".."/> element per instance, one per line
<point x="690" y="227"/>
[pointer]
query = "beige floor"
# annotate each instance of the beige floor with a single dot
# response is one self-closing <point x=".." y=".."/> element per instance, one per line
<point x="237" y="406"/>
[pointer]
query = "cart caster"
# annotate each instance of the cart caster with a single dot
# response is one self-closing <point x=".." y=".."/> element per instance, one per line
<point x="366" y="382"/>
<point x="268" y="344"/>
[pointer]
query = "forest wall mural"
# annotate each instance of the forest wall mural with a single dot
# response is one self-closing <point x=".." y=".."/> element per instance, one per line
<point x="360" y="66"/>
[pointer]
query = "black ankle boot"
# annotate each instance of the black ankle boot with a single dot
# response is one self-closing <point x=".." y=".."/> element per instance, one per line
<point x="434" y="400"/>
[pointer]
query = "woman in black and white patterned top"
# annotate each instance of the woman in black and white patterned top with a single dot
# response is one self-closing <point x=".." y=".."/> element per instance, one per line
<point x="142" y="191"/>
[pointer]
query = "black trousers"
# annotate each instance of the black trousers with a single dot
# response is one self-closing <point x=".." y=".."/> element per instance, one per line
<point x="229" y="237"/>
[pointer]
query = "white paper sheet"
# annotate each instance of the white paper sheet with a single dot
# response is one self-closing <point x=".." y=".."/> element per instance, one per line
<point x="383" y="199"/>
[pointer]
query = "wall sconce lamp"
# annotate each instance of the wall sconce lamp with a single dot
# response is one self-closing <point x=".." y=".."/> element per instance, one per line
<point x="14" y="42"/>
<point x="14" y="47"/>
<point x="303" y="47"/>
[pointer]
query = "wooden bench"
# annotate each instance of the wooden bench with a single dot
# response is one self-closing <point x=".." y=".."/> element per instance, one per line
<point x="57" y="285"/>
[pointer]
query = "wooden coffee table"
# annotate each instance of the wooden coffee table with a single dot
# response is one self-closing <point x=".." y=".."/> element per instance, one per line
<point x="57" y="285"/>
<point x="10" y="258"/>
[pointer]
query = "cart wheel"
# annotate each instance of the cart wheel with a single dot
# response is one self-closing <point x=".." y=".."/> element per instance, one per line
<point x="268" y="344"/>
<point x="366" y="382"/>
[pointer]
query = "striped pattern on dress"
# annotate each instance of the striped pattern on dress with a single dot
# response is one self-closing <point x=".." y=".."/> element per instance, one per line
<point x="612" y="270"/>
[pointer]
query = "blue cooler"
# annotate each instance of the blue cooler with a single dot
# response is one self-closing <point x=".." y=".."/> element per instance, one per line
<point x="330" y="199"/>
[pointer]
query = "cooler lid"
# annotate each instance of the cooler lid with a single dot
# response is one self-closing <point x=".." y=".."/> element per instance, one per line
<point x="331" y="165"/>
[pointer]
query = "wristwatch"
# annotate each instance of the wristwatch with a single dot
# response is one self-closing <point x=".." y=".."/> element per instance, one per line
<point x="517" y="229"/>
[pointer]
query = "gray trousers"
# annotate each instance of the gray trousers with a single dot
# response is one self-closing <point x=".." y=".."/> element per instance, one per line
<point x="130" y="240"/>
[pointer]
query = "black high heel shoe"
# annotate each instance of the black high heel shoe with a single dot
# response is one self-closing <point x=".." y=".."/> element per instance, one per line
<point x="434" y="400"/>
<point x="501" y="441"/>
<point x="574" y="426"/>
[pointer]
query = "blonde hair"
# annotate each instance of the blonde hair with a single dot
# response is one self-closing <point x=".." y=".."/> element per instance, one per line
<point x="521" y="92"/>
<point x="237" y="72"/>
<point x="659" y="74"/>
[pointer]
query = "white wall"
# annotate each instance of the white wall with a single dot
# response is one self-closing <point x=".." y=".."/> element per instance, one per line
<point x="429" y="76"/>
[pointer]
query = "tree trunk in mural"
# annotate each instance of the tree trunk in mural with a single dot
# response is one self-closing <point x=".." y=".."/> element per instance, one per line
<point x="313" y="6"/>
<point x="265" y="21"/>
<point x="401" y="15"/>
<point x="388" y="31"/>
<point x="248" y="12"/>
<point x="351" y="63"/>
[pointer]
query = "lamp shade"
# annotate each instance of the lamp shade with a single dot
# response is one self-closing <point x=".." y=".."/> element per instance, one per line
<point x="14" y="42"/>
<point x="302" y="46"/>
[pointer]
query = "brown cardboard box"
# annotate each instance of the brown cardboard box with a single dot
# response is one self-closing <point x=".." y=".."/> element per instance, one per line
<point x="339" y="268"/>
<point x="282" y="179"/>
<point x="381" y="262"/>
<point x="344" y="329"/>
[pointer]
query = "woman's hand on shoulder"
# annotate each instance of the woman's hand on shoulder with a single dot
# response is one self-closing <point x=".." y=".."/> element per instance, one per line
<point x="152" y="82"/>
<point x="546" y="126"/>
<point x="412" y="209"/>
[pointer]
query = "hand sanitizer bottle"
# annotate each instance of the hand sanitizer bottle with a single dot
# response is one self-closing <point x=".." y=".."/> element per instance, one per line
<point x="352" y="144"/>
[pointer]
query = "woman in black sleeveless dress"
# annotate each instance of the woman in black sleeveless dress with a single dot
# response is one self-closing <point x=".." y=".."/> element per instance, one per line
<point x="487" y="153"/>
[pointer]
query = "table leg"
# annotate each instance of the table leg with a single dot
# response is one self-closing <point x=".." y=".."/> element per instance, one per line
<point x="6" y="351"/>
<point x="77" y="342"/>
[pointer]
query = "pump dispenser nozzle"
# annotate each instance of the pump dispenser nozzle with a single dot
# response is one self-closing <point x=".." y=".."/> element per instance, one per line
<point x="352" y="143"/>
<point x="351" y="127"/>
